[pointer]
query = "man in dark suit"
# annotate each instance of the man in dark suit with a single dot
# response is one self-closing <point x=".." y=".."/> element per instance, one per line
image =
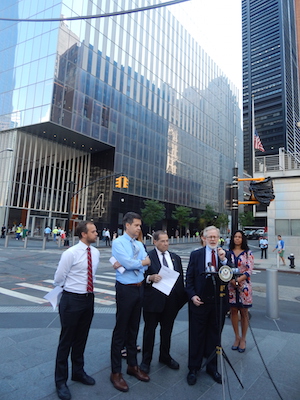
<point x="158" y="307"/>
<point x="206" y="312"/>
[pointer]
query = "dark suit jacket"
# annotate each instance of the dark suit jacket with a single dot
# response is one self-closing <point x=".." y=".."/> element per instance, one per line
<point x="196" y="279"/>
<point x="154" y="300"/>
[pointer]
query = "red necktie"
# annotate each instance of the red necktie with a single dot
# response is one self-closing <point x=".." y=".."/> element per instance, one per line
<point x="90" y="286"/>
<point x="213" y="259"/>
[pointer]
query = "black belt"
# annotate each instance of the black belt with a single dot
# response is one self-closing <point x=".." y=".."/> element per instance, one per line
<point x="78" y="294"/>
<point x="133" y="284"/>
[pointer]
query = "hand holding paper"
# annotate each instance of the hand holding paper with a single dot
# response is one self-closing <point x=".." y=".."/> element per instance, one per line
<point x="169" y="278"/>
<point x="54" y="296"/>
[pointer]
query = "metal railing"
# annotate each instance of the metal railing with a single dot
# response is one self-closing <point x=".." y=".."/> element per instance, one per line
<point x="283" y="161"/>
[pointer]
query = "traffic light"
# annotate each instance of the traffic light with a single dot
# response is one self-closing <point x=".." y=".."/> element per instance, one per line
<point x="122" y="182"/>
<point x="125" y="182"/>
<point x="119" y="182"/>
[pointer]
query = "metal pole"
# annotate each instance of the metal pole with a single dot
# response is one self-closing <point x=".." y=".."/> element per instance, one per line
<point x="71" y="194"/>
<point x="235" y="200"/>
<point x="272" y="293"/>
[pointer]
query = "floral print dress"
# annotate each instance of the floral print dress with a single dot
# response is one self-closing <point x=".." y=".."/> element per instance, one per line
<point x="242" y="296"/>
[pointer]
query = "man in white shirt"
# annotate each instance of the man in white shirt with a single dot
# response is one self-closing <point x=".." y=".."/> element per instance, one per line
<point x="263" y="244"/>
<point x="76" y="274"/>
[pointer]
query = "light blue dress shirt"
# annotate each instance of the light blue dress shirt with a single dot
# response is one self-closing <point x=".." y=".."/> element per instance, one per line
<point x="122" y="250"/>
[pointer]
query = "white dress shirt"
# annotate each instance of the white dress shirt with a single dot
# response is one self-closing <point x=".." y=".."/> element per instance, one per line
<point x="208" y="255"/>
<point x="167" y="257"/>
<point x="71" y="272"/>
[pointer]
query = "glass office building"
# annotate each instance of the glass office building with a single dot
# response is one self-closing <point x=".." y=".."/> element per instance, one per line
<point x="270" y="74"/>
<point x="85" y="99"/>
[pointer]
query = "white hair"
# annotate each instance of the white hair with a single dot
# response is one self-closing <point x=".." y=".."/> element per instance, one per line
<point x="210" y="228"/>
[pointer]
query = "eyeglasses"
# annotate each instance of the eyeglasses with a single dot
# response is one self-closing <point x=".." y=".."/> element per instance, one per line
<point x="212" y="237"/>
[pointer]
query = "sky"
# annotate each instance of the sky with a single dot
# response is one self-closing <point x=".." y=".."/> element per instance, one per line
<point x="216" y="25"/>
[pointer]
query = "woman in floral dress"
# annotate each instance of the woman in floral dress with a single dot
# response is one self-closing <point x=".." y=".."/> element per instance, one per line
<point x="240" y="288"/>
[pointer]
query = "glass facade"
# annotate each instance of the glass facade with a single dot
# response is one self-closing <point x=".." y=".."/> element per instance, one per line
<point x="270" y="74"/>
<point x="137" y="84"/>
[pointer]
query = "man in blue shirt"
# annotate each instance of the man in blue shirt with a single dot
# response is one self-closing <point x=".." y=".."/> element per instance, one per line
<point x="131" y="255"/>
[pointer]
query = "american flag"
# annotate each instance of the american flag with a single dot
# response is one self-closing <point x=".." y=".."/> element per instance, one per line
<point x="257" y="142"/>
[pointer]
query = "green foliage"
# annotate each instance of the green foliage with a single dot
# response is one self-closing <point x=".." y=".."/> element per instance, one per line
<point x="246" y="218"/>
<point x="153" y="212"/>
<point x="222" y="221"/>
<point x="182" y="215"/>
<point x="208" y="217"/>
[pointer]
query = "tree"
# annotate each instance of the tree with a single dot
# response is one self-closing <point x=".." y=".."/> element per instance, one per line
<point x="182" y="215"/>
<point x="208" y="217"/>
<point x="222" y="221"/>
<point x="246" y="218"/>
<point x="153" y="212"/>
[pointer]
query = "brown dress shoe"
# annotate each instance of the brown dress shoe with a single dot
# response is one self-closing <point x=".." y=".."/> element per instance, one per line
<point x="140" y="375"/>
<point x="118" y="382"/>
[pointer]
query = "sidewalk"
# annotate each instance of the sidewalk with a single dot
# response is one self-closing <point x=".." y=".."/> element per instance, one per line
<point x="28" y="355"/>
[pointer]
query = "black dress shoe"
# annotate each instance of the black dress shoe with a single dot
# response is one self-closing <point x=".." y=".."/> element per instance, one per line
<point x="63" y="391"/>
<point x="215" y="375"/>
<point x="170" y="363"/>
<point x="192" y="377"/>
<point x="85" y="379"/>
<point x="145" y="368"/>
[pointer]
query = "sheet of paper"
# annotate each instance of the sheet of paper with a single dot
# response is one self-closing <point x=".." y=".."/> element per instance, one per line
<point x="121" y="269"/>
<point x="54" y="296"/>
<point x="169" y="278"/>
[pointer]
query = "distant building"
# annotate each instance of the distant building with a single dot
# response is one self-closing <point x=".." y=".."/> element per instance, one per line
<point x="270" y="74"/>
<point x="132" y="94"/>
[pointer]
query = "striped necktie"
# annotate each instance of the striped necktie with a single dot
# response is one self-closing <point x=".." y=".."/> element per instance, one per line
<point x="90" y="285"/>
<point x="164" y="261"/>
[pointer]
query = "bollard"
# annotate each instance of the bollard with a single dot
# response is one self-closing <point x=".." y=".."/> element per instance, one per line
<point x="6" y="241"/>
<point x="25" y="242"/>
<point x="44" y="243"/>
<point x="272" y="293"/>
<point x="98" y="242"/>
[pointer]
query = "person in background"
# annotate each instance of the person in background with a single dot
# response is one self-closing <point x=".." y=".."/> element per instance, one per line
<point x="263" y="244"/>
<point x="47" y="232"/>
<point x="280" y="248"/>
<point x="107" y="237"/>
<point x="55" y="233"/>
<point x="76" y="274"/>
<point x="240" y="288"/>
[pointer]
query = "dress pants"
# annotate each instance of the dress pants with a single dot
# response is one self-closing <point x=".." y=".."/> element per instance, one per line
<point x="204" y="335"/>
<point x="76" y="313"/>
<point x="263" y="252"/>
<point x="129" y="303"/>
<point x="166" y="319"/>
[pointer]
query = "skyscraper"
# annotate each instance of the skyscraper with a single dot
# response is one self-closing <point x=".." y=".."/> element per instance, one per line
<point x="83" y="100"/>
<point x="270" y="75"/>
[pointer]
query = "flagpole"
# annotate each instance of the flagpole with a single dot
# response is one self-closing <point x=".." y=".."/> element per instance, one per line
<point x="252" y="136"/>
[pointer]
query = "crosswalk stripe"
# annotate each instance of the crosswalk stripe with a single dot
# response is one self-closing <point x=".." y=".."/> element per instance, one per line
<point x="22" y="296"/>
<point x="106" y="277"/>
<point x="45" y="289"/>
<point x="96" y="290"/>
<point x="104" y="283"/>
<point x="37" y="287"/>
<point x="104" y="302"/>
